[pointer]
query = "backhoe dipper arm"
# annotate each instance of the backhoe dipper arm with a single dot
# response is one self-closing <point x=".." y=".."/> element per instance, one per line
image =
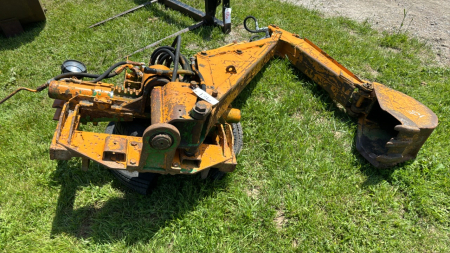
<point x="338" y="81"/>
<point x="392" y="126"/>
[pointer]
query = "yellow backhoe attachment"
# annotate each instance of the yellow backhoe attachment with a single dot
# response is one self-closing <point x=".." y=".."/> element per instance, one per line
<point x="180" y="121"/>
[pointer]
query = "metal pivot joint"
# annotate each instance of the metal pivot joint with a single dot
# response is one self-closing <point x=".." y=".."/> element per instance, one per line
<point x="161" y="141"/>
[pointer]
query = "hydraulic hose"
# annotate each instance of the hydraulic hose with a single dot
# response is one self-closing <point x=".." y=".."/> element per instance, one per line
<point x="162" y="52"/>
<point x="106" y="73"/>
<point x="256" y="24"/>
<point x="257" y="29"/>
<point x="177" y="57"/>
<point x="161" y="72"/>
<point x="76" y="74"/>
<point x="166" y="55"/>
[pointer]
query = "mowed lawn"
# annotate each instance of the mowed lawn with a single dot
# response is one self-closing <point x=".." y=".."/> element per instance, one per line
<point x="300" y="184"/>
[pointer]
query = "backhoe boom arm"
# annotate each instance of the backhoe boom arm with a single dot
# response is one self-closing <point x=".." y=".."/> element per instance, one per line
<point x="391" y="127"/>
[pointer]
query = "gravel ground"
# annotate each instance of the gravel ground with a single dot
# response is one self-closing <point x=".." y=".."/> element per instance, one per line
<point x="428" y="20"/>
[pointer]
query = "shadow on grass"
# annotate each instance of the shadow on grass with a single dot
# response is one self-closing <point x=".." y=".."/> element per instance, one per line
<point x="31" y="31"/>
<point x="374" y="175"/>
<point x="155" y="12"/>
<point x="203" y="31"/>
<point x="132" y="217"/>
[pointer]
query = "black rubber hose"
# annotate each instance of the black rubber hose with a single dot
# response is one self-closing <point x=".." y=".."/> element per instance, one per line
<point x="254" y="38"/>
<point x="195" y="70"/>
<point x="157" y="53"/>
<point x="106" y="73"/>
<point x="160" y="72"/>
<point x="256" y="24"/>
<point x="184" y="63"/>
<point x="165" y="59"/>
<point x="177" y="57"/>
<point x="153" y="57"/>
<point x="76" y="74"/>
<point x="148" y="70"/>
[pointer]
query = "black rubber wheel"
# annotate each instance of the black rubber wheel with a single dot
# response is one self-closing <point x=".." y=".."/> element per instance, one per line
<point x="238" y="137"/>
<point x="142" y="183"/>
<point x="214" y="173"/>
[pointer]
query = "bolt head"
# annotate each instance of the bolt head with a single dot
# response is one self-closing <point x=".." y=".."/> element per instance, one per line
<point x="193" y="84"/>
<point x="161" y="141"/>
<point x="200" y="110"/>
<point x="201" y="107"/>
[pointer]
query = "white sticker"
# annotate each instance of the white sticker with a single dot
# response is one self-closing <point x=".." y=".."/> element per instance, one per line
<point x="227" y="15"/>
<point x="205" y="96"/>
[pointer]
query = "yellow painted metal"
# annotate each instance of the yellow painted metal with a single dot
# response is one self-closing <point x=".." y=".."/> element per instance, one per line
<point x="224" y="72"/>
<point x="127" y="152"/>
<point x="247" y="60"/>
<point x="65" y="90"/>
<point x="231" y="115"/>
<point x="410" y="112"/>
<point x="175" y="100"/>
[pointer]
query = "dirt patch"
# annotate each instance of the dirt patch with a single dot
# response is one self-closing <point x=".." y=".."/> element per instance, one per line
<point x="237" y="34"/>
<point x="280" y="219"/>
<point x="253" y="193"/>
<point x="428" y="20"/>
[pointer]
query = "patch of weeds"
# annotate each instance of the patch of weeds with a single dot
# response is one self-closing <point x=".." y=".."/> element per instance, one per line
<point x="395" y="40"/>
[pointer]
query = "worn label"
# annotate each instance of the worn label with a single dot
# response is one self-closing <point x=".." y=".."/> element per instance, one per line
<point x="227" y="15"/>
<point x="205" y="96"/>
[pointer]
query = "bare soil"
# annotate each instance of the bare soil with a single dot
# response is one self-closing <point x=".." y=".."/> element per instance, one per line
<point x="428" y="20"/>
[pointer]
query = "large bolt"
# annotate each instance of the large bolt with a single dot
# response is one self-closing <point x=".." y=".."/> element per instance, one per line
<point x="200" y="110"/>
<point x="161" y="141"/>
<point x="193" y="84"/>
<point x="201" y="107"/>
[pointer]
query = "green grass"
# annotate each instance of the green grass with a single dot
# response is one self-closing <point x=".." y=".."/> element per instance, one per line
<point x="300" y="184"/>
